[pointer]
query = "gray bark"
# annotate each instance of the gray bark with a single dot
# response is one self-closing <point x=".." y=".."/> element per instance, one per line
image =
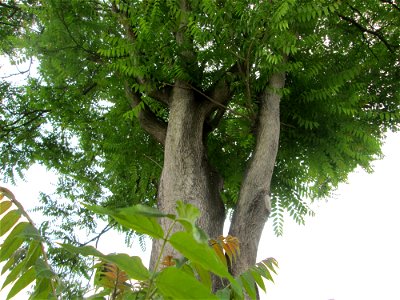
<point x="186" y="174"/>
<point x="254" y="206"/>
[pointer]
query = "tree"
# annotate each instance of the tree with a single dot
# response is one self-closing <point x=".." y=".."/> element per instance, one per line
<point x="251" y="106"/>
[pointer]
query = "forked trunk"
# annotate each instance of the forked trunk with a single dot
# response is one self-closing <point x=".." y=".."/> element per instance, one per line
<point x="188" y="176"/>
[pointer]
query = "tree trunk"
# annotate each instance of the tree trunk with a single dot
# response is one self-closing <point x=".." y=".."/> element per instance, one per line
<point x="254" y="203"/>
<point x="186" y="174"/>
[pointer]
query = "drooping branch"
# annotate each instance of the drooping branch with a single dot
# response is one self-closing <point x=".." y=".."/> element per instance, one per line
<point x="147" y="119"/>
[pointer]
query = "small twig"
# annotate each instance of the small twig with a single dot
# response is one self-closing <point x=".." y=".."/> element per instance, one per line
<point x="148" y="157"/>
<point x="97" y="237"/>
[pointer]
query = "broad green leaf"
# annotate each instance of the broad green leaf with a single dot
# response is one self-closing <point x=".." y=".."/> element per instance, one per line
<point x="7" y="266"/>
<point x="187" y="211"/>
<point x="30" y="232"/>
<point x="132" y="265"/>
<point x="8" y="221"/>
<point x="13" y="241"/>
<point x="145" y="210"/>
<point x="133" y="218"/>
<point x="141" y="224"/>
<point x="202" y="254"/>
<point x="4" y="205"/>
<point x="176" y="284"/>
<point x="25" y="279"/>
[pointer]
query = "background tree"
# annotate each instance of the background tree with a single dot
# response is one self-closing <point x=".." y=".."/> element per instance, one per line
<point x="254" y="106"/>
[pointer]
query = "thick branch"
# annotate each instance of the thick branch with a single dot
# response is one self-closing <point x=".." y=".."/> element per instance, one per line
<point x="147" y="119"/>
<point x="254" y="203"/>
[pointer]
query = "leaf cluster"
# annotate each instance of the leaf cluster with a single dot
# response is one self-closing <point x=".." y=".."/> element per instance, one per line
<point x="121" y="276"/>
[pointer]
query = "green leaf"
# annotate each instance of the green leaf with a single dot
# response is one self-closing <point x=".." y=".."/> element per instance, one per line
<point x="187" y="211"/>
<point x="204" y="275"/>
<point x="258" y="279"/>
<point x="201" y="253"/>
<point x="132" y="265"/>
<point x="4" y="205"/>
<point x="43" y="270"/>
<point x="224" y="294"/>
<point x="34" y="252"/>
<point x="8" y="221"/>
<point x="13" y="241"/>
<point x="43" y="289"/>
<point x="26" y="278"/>
<point x="249" y="285"/>
<point x="12" y="276"/>
<point x="176" y="284"/>
<point x="135" y="218"/>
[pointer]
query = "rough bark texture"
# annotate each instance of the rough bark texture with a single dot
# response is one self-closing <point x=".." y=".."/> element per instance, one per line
<point x="187" y="174"/>
<point x="254" y="204"/>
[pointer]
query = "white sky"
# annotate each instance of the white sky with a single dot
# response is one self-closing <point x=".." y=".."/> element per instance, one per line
<point x="350" y="250"/>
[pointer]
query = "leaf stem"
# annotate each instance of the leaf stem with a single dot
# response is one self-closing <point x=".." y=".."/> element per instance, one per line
<point x="165" y="240"/>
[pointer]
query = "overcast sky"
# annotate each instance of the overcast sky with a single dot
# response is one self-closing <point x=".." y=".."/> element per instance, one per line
<point x="348" y="251"/>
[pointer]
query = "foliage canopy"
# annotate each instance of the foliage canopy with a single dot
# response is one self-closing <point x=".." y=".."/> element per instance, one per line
<point x="105" y="68"/>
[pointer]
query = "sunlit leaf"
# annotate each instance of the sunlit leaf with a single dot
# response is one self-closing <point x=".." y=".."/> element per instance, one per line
<point x="9" y="220"/>
<point x="202" y="254"/>
<point x="13" y="241"/>
<point x="176" y="284"/>
<point x="132" y="265"/>
<point x="4" y="205"/>
<point x="22" y="282"/>
<point x="135" y="218"/>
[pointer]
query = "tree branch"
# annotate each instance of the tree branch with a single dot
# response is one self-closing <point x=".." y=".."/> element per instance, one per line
<point x="147" y="119"/>
<point x="392" y="3"/>
<point x="363" y="29"/>
<point x="254" y="203"/>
